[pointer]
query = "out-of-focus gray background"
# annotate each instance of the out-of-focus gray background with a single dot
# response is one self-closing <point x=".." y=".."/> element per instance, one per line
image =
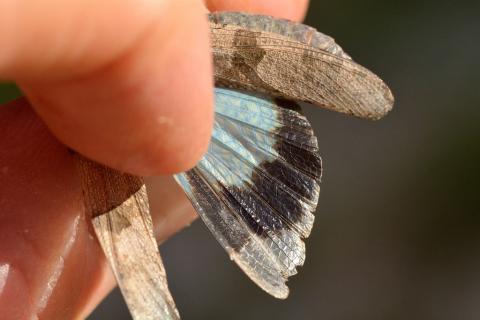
<point x="397" y="232"/>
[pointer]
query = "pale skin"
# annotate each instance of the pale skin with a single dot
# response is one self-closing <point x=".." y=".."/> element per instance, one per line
<point x="126" y="83"/>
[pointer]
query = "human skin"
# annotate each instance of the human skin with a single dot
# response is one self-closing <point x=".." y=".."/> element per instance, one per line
<point x="126" y="83"/>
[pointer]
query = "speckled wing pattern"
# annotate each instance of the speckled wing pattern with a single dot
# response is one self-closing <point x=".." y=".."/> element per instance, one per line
<point x="257" y="187"/>
<point x="118" y="206"/>
<point x="293" y="61"/>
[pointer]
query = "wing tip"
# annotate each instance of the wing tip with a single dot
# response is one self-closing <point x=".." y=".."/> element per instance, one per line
<point x="282" y="294"/>
<point x="388" y="101"/>
<point x="373" y="103"/>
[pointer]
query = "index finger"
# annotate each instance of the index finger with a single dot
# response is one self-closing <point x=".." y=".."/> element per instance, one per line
<point x="126" y="83"/>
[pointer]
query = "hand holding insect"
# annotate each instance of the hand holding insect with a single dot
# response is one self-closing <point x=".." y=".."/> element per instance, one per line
<point x="257" y="187"/>
<point x="40" y="92"/>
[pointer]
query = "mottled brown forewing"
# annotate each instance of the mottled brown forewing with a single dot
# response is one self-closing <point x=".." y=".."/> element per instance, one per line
<point x="120" y="215"/>
<point x="293" y="61"/>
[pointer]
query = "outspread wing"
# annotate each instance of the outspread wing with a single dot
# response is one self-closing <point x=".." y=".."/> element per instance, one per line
<point x="257" y="187"/>
<point x="290" y="60"/>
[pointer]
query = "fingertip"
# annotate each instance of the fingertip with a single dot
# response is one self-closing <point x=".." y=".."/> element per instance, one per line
<point x="176" y="145"/>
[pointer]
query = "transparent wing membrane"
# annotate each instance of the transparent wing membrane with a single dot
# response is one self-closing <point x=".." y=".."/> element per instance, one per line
<point x="257" y="187"/>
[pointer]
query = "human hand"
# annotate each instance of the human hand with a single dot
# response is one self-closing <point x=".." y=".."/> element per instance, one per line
<point x="128" y="84"/>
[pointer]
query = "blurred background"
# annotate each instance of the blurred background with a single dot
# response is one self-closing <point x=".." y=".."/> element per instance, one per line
<point x="397" y="232"/>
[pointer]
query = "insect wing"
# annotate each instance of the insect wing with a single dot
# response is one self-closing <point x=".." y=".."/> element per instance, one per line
<point x="120" y="217"/>
<point x="294" y="61"/>
<point x="257" y="187"/>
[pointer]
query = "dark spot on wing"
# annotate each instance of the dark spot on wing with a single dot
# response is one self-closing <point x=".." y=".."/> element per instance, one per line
<point x="253" y="212"/>
<point x="288" y="104"/>
<point x="304" y="160"/>
<point x="245" y="59"/>
<point x="104" y="189"/>
<point x="245" y="43"/>
<point x="299" y="155"/>
<point x="297" y="181"/>
<point x="208" y="203"/>
<point x="121" y="222"/>
<point x="267" y="206"/>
